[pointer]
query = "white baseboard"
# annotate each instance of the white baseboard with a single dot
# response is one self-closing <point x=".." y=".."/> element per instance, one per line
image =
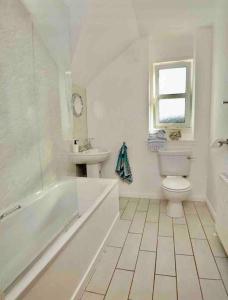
<point x="198" y="198"/>
<point x="85" y="280"/>
<point x="142" y="196"/>
<point x="211" y="209"/>
<point x="157" y="196"/>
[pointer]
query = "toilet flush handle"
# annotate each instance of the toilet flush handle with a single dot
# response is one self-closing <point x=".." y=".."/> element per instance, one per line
<point x="190" y="157"/>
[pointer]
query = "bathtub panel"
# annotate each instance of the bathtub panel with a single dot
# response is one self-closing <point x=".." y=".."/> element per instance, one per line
<point x="65" y="273"/>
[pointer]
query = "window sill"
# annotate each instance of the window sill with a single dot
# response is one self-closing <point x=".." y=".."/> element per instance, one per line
<point x="181" y="141"/>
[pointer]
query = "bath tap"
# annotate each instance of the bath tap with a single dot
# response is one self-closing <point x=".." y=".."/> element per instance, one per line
<point x="9" y="211"/>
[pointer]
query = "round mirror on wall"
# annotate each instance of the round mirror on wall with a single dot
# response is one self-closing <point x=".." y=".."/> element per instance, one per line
<point x="77" y="104"/>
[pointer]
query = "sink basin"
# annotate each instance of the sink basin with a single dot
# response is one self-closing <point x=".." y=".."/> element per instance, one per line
<point x="90" y="157"/>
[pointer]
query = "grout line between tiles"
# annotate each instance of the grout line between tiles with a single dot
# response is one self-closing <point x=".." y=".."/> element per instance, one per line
<point x="121" y="253"/>
<point x="147" y="251"/>
<point x="134" y="232"/>
<point x="156" y="255"/>
<point x="85" y="290"/>
<point x="111" y="246"/>
<point x="193" y="254"/>
<point x="172" y="276"/>
<point x="156" y="252"/>
<point x="212" y="279"/>
<point x="138" y="250"/>
<point x="211" y="249"/>
<point x="175" y="257"/>
<point x="170" y="236"/>
<point x="123" y="210"/>
<point x="94" y="293"/>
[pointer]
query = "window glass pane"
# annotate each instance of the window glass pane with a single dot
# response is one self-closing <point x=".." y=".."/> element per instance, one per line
<point x="172" y="110"/>
<point x="172" y="81"/>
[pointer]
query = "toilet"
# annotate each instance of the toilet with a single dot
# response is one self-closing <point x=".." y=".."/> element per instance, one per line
<point x="176" y="187"/>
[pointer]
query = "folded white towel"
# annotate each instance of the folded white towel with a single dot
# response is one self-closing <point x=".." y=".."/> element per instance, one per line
<point x="157" y="140"/>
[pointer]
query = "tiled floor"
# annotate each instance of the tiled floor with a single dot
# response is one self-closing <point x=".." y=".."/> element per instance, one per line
<point x="150" y="256"/>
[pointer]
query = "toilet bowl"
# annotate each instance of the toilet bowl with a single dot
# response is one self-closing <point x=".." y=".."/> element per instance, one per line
<point x="176" y="189"/>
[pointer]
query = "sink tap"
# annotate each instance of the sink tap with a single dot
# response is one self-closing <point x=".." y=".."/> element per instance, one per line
<point x="86" y="146"/>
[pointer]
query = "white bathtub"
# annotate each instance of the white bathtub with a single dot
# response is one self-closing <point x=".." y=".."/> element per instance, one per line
<point x="57" y="234"/>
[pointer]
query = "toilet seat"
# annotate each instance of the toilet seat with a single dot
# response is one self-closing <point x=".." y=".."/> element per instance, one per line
<point x="176" y="184"/>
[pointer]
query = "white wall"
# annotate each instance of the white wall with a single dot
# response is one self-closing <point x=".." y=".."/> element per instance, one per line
<point x="219" y="111"/>
<point x="155" y="16"/>
<point x="31" y="143"/>
<point x="118" y="109"/>
<point x="117" y="103"/>
<point x="203" y="80"/>
<point x="53" y="24"/>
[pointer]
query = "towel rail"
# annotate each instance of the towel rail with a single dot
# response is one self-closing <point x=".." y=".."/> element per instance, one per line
<point x="9" y="211"/>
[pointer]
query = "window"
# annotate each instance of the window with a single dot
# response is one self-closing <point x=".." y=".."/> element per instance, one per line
<point x="172" y="94"/>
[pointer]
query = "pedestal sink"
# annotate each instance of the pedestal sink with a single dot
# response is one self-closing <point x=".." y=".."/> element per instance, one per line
<point x="92" y="158"/>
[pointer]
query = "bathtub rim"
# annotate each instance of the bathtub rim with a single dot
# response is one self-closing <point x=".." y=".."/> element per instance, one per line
<point x="50" y="251"/>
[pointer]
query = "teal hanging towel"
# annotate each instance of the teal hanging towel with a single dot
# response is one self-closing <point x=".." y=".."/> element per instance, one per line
<point x="123" y="167"/>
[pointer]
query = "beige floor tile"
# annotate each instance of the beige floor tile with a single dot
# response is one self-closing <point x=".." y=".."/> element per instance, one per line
<point x="165" y="288"/>
<point x="223" y="268"/>
<point x="103" y="273"/>
<point x="153" y="213"/>
<point x="199" y="203"/>
<point x="204" y="260"/>
<point x="180" y="221"/>
<point x="143" y="205"/>
<point x="163" y="206"/>
<point x="129" y="254"/>
<point x="91" y="296"/>
<point x="137" y="224"/>
<point x="165" y="257"/>
<point x="142" y="286"/>
<point x="123" y="202"/>
<point x="119" y="233"/>
<point x="135" y="200"/>
<point x="214" y="241"/>
<point x="165" y="225"/>
<point x="187" y="279"/>
<point x="189" y="208"/>
<point x="149" y="239"/>
<point x="194" y="226"/>
<point x="130" y="209"/>
<point x="204" y="214"/>
<point x="213" y="290"/>
<point x="155" y="201"/>
<point x="182" y="240"/>
<point x="120" y="285"/>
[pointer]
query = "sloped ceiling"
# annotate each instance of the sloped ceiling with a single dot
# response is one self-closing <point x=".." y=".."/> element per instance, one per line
<point x="78" y="11"/>
<point x="108" y="28"/>
<point x="102" y="29"/>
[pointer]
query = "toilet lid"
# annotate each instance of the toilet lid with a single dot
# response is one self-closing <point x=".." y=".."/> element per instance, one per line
<point x="176" y="183"/>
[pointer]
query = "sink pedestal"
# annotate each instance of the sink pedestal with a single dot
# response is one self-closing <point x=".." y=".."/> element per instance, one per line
<point x="93" y="170"/>
<point x="92" y="158"/>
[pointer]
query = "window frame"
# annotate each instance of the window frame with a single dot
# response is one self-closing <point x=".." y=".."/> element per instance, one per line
<point x="188" y="64"/>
